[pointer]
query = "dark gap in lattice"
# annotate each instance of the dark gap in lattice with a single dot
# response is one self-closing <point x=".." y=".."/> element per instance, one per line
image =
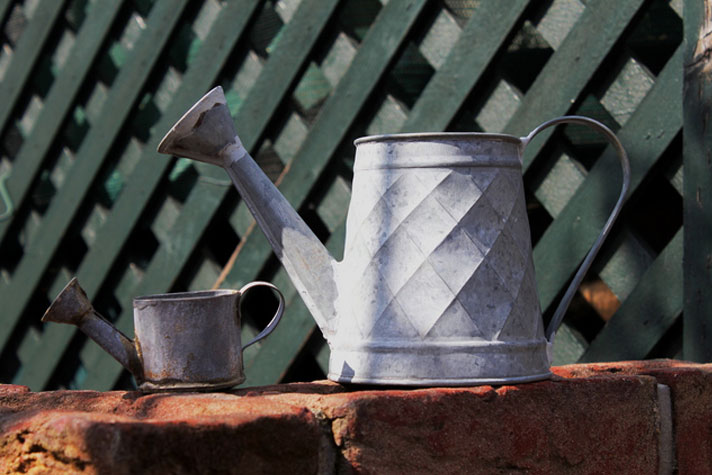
<point x="309" y="214"/>
<point x="141" y="245"/>
<point x="465" y="121"/>
<point x="182" y="39"/>
<point x="72" y="249"/>
<point x="182" y="177"/>
<point x="342" y="163"/>
<point x="125" y="382"/>
<point x="11" y="140"/>
<point x="656" y="35"/>
<point x="42" y="192"/>
<point x="315" y="344"/>
<point x="357" y="16"/>
<point x="265" y="27"/>
<point x="408" y="76"/>
<point x="11" y="250"/>
<point x="105" y="68"/>
<point x="9" y="362"/>
<point x="258" y="306"/>
<point x="144" y="117"/>
<point x="75" y="127"/>
<point x="66" y="368"/>
<point x="670" y="345"/>
<point x="76" y="13"/>
<point x="658" y="212"/>
<point x="410" y="71"/>
<point x="304" y="366"/>
<point x="109" y="182"/>
<point x="217" y="244"/>
<point x="525" y="56"/>
<point x="539" y="218"/>
<point x="220" y="237"/>
<point x="143" y="7"/>
<point x="107" y="304"/>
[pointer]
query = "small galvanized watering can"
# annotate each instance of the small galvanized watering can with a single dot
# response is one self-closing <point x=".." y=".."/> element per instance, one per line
<point x="186" y="341"/>
<point x="437" y="282"/>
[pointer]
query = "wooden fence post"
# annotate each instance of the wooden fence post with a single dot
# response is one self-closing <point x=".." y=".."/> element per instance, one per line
<point x="697" y="163"/>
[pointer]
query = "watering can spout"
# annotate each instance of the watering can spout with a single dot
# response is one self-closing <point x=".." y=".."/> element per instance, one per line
<point x="72" y="306"/>
<point x="206" y="133"/>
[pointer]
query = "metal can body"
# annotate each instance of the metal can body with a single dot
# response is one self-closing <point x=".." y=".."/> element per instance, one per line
<point x="189" y="340"/>
<point x="440" y="286"/>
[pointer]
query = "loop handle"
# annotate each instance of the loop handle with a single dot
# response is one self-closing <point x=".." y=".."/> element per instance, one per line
<point x="625" y="165"/>
<point x="275" y="319"/>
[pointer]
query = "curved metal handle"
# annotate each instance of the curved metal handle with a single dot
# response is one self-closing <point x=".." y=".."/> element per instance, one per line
<point x="275" y="319"/>
<point x="625" y="165"/>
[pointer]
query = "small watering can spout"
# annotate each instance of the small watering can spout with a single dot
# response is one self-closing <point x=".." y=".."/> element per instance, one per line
<point x="206" y="133"/>
<point x="73" y="307"/>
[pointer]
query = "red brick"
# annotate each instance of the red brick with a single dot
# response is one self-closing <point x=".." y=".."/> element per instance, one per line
<point x="126" y="433"/>
<point x="602" y="425"/>
<point x="691" y="392"/>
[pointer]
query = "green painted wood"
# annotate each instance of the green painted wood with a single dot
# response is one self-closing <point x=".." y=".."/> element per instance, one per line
<point x="564" y="244"/>
<point x="289" y="54"/>
<point x="150" y="168"/>
<point x="25" y="55"/>
<point x="87" y="163"/>
<point x="647" y="313"/>
<point x="458" y="70"/>
<point x="463" y="67"/>
<point x="336" y="116"/>
<point x="58" y="102"/>
<point x="697" y="185"/>
<point x="579" y="56"/>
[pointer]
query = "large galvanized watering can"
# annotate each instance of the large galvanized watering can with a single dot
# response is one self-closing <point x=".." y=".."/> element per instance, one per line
<point x="437" y="282"/>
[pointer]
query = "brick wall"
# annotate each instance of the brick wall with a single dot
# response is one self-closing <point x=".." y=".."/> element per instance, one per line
<point x="629" y="417"/>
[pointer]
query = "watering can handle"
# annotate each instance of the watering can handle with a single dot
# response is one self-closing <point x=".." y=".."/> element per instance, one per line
<point x="277" y="315"/>
<point x="625" y="165"/>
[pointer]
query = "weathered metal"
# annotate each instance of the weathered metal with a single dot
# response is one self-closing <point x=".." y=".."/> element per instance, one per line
<point x="437" y="283"/>
<point x="183" y="341"/>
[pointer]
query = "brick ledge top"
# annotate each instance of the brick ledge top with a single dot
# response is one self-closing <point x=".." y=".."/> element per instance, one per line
<point x="592" y="418"/>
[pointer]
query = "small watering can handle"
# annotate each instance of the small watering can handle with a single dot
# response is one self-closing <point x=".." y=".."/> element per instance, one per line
<point x="277" y="316"/>
<point x="625" y="165"/>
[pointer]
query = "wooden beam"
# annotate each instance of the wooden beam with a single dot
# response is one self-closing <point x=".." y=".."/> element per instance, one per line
<point x="697" y="187"/>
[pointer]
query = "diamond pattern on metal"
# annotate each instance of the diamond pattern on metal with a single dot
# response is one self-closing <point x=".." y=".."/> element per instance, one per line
<point x="440" y="271"/>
